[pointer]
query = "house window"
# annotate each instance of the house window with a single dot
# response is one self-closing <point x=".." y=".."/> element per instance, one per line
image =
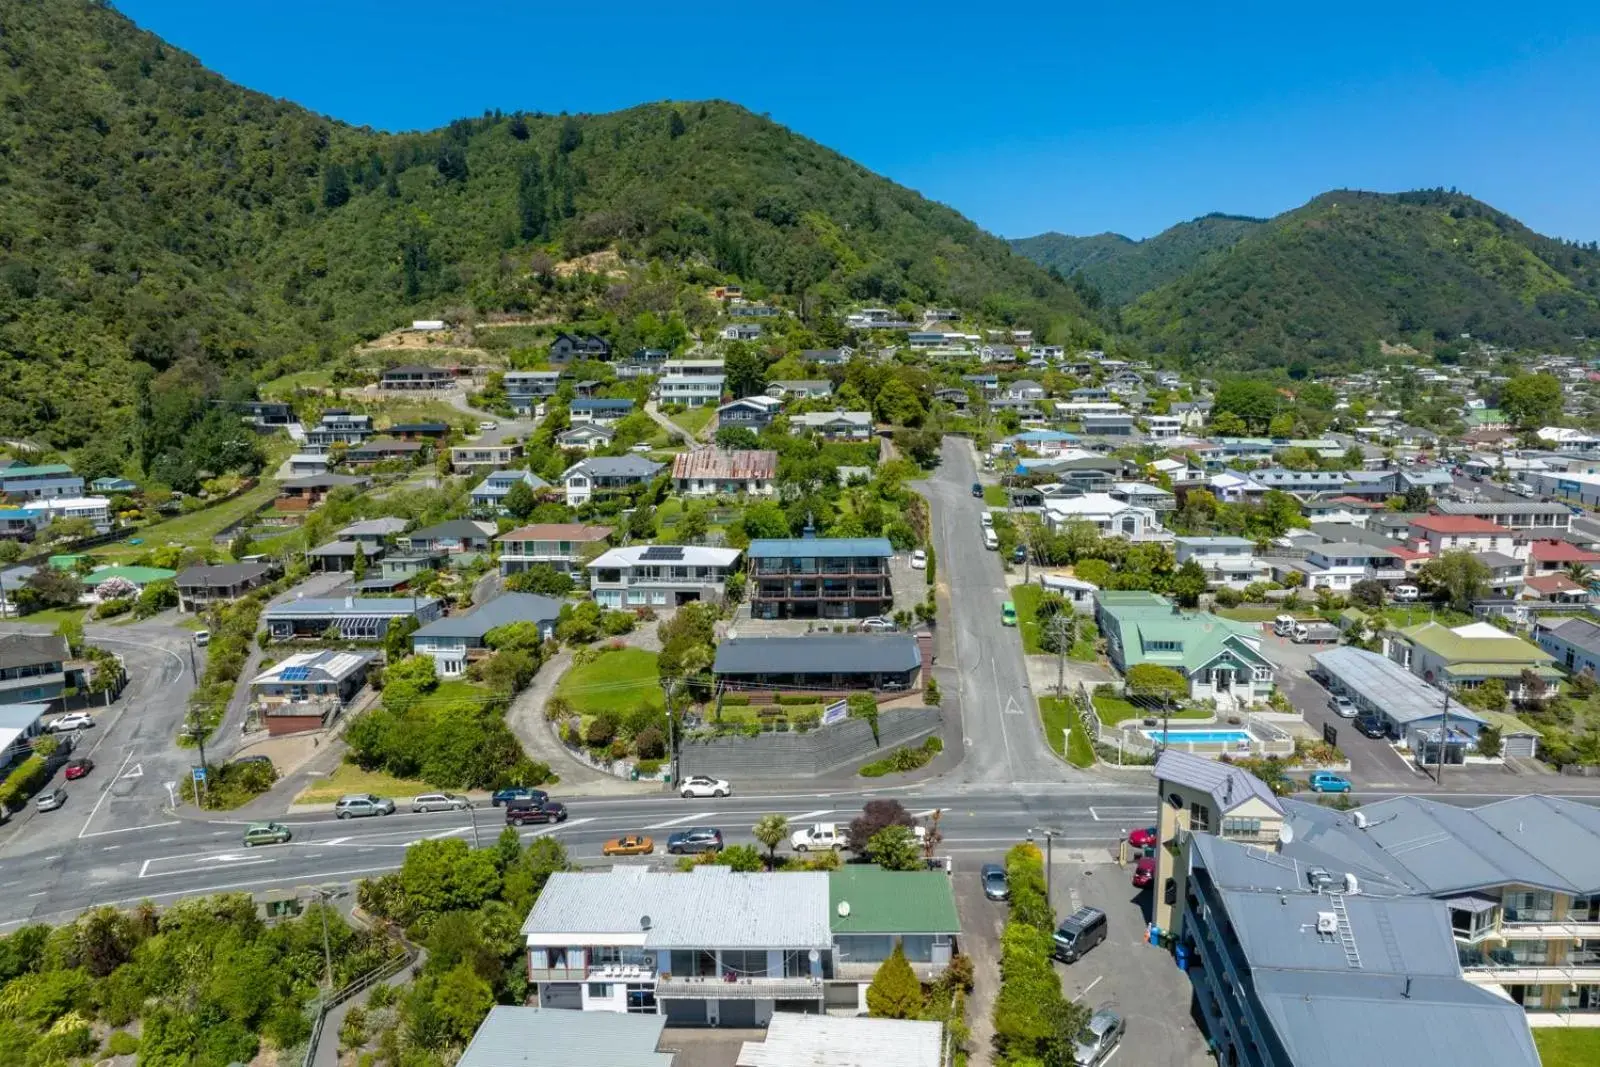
<point x="1199" y="817"/>
<point x="1239" y="827"/>
<point x="641" y="1000"/>
<point x="599" y="957"/>
<point x="1529" y="907"/>
<point x="599" y="990"/>
<point x="1164" y="646"/>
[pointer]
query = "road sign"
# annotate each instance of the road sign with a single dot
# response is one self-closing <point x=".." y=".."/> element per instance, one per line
<point x="199" y="773"/>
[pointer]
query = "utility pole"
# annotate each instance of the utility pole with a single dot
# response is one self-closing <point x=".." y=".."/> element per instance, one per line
<point x="202" y="791"/>
<point x="1060" y="626"/>
<point x="1444" y="739"/>
<point x="1049" y="833"/>
<point x="672" y="740"/>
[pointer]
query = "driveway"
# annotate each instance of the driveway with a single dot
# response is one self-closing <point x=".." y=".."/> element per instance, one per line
<point x="654" y="411"/>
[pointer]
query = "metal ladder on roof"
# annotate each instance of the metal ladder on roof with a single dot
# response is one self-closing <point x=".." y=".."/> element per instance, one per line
<point x="1347" y="937"/>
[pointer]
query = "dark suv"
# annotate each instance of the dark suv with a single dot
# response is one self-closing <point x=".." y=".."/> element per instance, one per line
<point x="1372" y="725"/>
<point x="523" y="812"/>
<point x="518" y="792"/>
<point x="700" y="839"/>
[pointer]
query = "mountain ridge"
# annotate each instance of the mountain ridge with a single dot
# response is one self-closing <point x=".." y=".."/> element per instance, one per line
<point x="1121" y="269"/>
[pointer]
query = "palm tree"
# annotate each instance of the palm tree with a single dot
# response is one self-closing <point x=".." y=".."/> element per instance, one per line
<point x="771" y="830"/>
<point x="1579" y="573"/>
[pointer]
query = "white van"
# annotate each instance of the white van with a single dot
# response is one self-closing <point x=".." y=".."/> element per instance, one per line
<point x="202" y="637"/>
<point x="1406" y="594"/>
<point x="1284" y="625"/>
<point x="986" y="519"/>
<point x="990" y="541"/>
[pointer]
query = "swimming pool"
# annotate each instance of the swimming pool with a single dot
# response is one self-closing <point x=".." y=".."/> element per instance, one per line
<point x="1178" y="736"/>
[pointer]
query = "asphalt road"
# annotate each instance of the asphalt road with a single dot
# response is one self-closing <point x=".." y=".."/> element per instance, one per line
<point x="1003" y="738"/>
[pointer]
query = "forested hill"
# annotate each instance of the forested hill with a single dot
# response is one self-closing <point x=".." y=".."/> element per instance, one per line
<point x="1325" y="283"/>
<point x="1122" y="269"/>
<point x="157" y="218"/>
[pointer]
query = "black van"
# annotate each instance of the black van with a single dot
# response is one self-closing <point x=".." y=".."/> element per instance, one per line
<point x="1078" y="933"/>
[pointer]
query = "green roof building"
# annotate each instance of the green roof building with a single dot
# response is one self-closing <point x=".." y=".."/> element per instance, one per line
<point x="1465" y="657"/>
<point x="139" y="576"/>
<point x="1220" y="658"/>
<point x="870" y="910"/>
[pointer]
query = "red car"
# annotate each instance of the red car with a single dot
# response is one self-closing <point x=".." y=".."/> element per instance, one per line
<point x="79" y="768"/>
<point x="1144" y="872"/>
<point x="1143" y="838"/>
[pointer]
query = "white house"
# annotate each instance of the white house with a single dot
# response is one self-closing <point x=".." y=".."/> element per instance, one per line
<point x="1110" y="516"/>
<point x="1228" y="561"/>
<point x="637" y="576"/>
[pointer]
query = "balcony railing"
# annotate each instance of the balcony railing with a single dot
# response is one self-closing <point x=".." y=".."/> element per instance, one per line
<point x="670" y="987"/>
<point x="557" y="974"/>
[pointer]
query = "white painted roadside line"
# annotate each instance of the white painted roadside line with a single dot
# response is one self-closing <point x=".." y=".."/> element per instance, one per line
<point x="1120" y="814"/>
<point x="130" y="829"/>
<point x="680" y="821"/>
<point x="202" y="870"/>
<point x="1086" y="989"/>
<point x="103" y="794"/>
<point x="803" y="816"/>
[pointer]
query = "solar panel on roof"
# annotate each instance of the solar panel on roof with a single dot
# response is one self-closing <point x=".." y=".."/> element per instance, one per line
<point x="663" y="552"/>
<point x="295" y="674"/>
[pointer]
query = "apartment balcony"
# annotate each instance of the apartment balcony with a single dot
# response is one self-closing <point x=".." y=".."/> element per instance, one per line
<point x="557" y="974"/>
<point x="1549" y="930"/>
<point x="1534" y="974"/>
<point x="769" y="568"/>
<point x="669" y="987"/>
<point x="865" y="971"/>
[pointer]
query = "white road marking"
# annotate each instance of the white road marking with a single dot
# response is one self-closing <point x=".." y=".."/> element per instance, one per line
<point x="136" y="771"/>
<point x="201" y="870"/>
<point x="103" y="794"/>
<point x="1086" y="989"/>
<point x="679" y="821"/>
<point x="130" y="829"/>
<point x="1012" y="707"/>
<point x="1121" y="814"/>
<point x="40" y="893"/>
<point x="803" y="816"/>
<point x="109" y="848"/>
<point x="447" y="833"/>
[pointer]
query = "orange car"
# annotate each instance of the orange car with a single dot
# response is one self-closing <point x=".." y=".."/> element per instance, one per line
<point x="631" y="845"/>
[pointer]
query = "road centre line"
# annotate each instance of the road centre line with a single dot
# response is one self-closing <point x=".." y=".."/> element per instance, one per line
<point x="679" y="821"/>
<point x="130" y="829"/>
<point x="103" y="794"/>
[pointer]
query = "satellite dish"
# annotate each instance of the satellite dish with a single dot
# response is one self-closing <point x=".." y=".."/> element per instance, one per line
<point x="844" y="908"/>
<point x="814" y="956"/>
<point x="1286" y="834"/>
<point x="644" y="922"/>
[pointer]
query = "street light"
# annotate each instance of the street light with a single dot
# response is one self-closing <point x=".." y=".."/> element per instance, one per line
<point x="325" y="893"/>
<point x="1050" y="834"/>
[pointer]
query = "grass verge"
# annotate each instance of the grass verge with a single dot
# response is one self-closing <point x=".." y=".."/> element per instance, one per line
<point x="693" y="419"/>
<point x="615" y="682"/>
<point x="1115" y="710"/>
<point x="1563" y="1047"/>
<point x="348" y="778"/>
<point x="1026" y="600"/>
<point x="995" y="496"/>
<point x="1064" y="731"/>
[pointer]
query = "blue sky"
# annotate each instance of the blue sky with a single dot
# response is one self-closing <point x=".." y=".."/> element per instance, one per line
<point x="1026" y="117"/>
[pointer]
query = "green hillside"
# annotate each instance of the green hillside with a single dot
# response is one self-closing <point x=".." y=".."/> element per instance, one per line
<point x="1122" y="269"/>
<point x="1325" y="283"/>
<point x="162" y="230"/>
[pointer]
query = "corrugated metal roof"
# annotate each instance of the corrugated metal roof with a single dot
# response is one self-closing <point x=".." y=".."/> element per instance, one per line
<point x="503" y="609"/>
<point x="709" y="907"/>
<point x="1231" y="786"/>
<point x="819" y="547"/>
<point x="817" y="654"/>
<point x="691" y="556"/>
<point x="795" y="1040"/>
<point x="718" y="463"/>
<point x="25" y="650"/>
<point x="891" y="902"/>
<point x="515" y="1036"/>
<point x="315" y="608"/>
<point x="1384" y="684"/>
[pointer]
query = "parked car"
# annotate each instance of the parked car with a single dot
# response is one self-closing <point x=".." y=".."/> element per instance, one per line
<point x="1406" y="594"/>
<point x="699" y="785"/>
<point x="1342" y="706"/>
<point x="359" y="805"/>
<point x="877" y="624"/>
<point x="1019" y="554"/>
<point x="1328" y="782"/>
<point x="996" y="886"/>
<point x="822" y="835"/>
<point x="698" y="839"/>
<point x="919" y="560"/>
<point x="1372" y="726"/>
<point x="486" y="425"/>
<point x="52" y="800"/>
<point x="1099" y="1038"/>
<point x="977" y="489"/>
<point x="266" y="833"/>
<point x="439" y="802"/>
<point x="1008" y="614"/>
<point x="75" y="720"/>
<point x="1078" y="933"/>
<point x="517" y="792"/>
<point x="202" y="638"/>
<point x="1144" y="872"/>
<point x="79" y="768"/>
<point x="1144" y="837"/>
<point x="628" y="845"/>
<point x="521" y="813"/>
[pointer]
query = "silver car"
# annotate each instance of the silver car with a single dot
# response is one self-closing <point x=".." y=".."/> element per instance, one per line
<point x="52" y="800"/>
<point x="1099" y="1037"/>
<point x="440" y="802"/>
<point x="356" y="805"/>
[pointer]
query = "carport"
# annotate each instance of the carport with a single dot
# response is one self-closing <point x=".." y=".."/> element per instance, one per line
<point x="1406" y="704"/>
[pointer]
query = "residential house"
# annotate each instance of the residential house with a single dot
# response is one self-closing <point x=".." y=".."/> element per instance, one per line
<point x="1108" y="425"/>
<point x="872" y="912"/>
<point x="1162" y="427"/>
<point x="1177" y="470"/>
<point x="265" y="412"/>
<point x="420" y="431"/>
<point x="33" y="668"/>
<point x="1220" y="659"/>
<point x="1348" y="510"/>
<point x="303" y="464"/>
<point x="958" y="399"/>
<point x="23" y="483"/>
<point x="1339" y="565"/>
<point x="1075" y="591"/>
<point x="1436" y="534"/>
<point x="1512" y="514"/>
<point x="1041" y="442"/>
<point x="751" y="412"/>
<point x="489" y="495"/>
<point x="1025" y="389"/>
<point x="558" y="545"/>
<point x="95" y="510"/>
<point x="385" y="450"/>
<point x="567" y="348"/>
<point x="374" y="534"/>
<point x="1144" y="495"/>
<point x="586" y="437"/>
<point x="807" y="389"/>
<point x="691" y="391"/>
<point x="637" y="576"/>
<point x="20" y="724"/>
<point x="482" y="456"/>
<point x="21" y="524"/>
<point x="741" y="331"/>
<point x="833" y="425"/>
<point x="397" y="571"/>
<point x="1193" y="414"/>
<point x="1411" y="711"/>
<point x="103" y="486"/>
<point x="1465" y="657"/>
<point x="338" y="427"/>
<point x="355" y="619"/>
<point x="1109" y="516"/>
<point x="201" y="587"/>
<point x="313" y="676"/>
<point x="1547" y="557"/>
<point x="1196" y="795"/>
<point x="454" y="641"/>
<point x="1228" y="561"/>
<point x="827" y="357"/>
<point x="794" y="1038"/>
<point x="632" y="940"/>
<point x="711" y="471"/>
<point x="823" y="662"/>
<point x="988" y="384"/>
<point x="921" y="340"/>
<point x="451" y="537"/>
<point x="138" y="577"/>
<point x="1231" y="487"/>
<point x="602" y="410"/>
<point x="299" y="495"/>
<point x="739" y="310"/>
<point x="533" y="1037"/>
<point x="414" y="377"/>
<point x="1572" y="640"/>
<point x="527" y="389"/>
<point x="600" y="475"/>
<point x="819" y="577"/>
<point x="1556" y="589"/>
<point x="1287" y="965"/>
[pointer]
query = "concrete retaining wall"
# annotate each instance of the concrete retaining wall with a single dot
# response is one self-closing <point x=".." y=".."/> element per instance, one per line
<point x="796" y="755"/>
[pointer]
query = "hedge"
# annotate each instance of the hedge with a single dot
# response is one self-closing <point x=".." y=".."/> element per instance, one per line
<point x="1030" y="1007"/>
<point x="22" y="782"/>
<point x="735" y="700"/>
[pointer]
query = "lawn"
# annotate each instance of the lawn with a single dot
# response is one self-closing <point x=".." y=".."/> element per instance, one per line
<point x="995" y="496"/>
<point x="1061" y="721"/>
<point x="615" y="682"/>
<point x="1026" y="598"/>
<point x="1115" y="709"/>
<point x="348" y="778"/>
<point x="1567" y="1047"/>
<point x="1415" y="614"/>
<point x="1253" y="612"/>
<point x="693" y="419"/>
<point x="305" y="379"/>
<point x="52" y="616"/>
<point x="195" y="529"/>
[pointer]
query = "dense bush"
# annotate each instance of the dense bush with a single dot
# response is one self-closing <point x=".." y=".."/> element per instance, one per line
<point x="1032" y="1021"/>
<point x="22" y="782"/>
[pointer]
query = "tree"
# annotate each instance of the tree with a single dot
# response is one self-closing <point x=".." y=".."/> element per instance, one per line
<point x="1579" y="573"/>
<point x="519" y="501"/>
<point x="10" y="551"/>
<point x="48" y="587"/>
<point x="875" y="816"/>
<point x="895" y="992"/>
<point x="1368" y="592"/>
<point x="1458" y="576"/>
<point x="765" y="520"/>
<point x="1189" y="583"/>
<point x="1153" y="680"/>
<point x="335" y="186"/>
<point x="447" y="875"/>
<point x="745" y="368"/>
<point x="397" y="638"/>
<point x="532" y="211"/>
<point x="1531" y="400"/>
<point x="1489" y="742"/>
<point x="771" y="831"/>
<point x="897" y="403"/>
<point x="1227" y="424"/>
<point x="358" y="566"/>
<point x="541" y="578"/>
<point x="675" y="125"/>
<point x="461" y="1000"/>
<point x="895" y="848"/>
<point x="1417" y="498"/>
<point x="1251" y="399"/>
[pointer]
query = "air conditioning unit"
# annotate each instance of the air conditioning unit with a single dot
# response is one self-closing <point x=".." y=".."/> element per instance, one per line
<point x="1327" y="923"/>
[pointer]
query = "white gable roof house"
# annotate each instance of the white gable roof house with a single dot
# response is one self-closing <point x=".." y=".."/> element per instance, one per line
<point x="1110" y="516"/>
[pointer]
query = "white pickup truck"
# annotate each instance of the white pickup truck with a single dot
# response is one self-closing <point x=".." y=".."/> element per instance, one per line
<point x="817" y="836"/>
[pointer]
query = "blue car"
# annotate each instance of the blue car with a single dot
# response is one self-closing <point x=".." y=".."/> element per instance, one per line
<point x="1328" y="782"/>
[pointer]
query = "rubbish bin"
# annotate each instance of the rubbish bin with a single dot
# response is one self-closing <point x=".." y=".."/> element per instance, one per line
<point x="1182" y="955"/>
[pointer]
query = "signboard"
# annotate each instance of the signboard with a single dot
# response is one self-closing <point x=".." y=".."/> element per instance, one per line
<point x="836" y="712"/>
<point x="1564" y="486"/>
<point x="1330" y="734"/>
<point x="199" y="773"/>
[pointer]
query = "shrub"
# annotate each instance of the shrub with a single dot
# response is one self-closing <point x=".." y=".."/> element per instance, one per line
<point x="602" y="729"/>
<point x="21" y="783"/>
<point x="931" y="692"/>
<point x="735" y="700"/>
<point x="110" y="609"/>
<point x="648" y="768"/>
<point x="797" y="698"/>
<point x="650" y="743"/>
<point x="1228" y="598"/>
<point x="122" y="1043"/>
<point x="557" y="708"/>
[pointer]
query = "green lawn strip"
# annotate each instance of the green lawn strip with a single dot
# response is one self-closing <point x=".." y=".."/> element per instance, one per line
<point x="1567" y="1047"/>
<point x="305" y="379"/>
<point x="1255" y="612"/>
<point x="615" y="682"/>
<point x="693" y="419"/>
<point x="1062" y="726"/>
<point x="54" y="616"/>
<point x="195" y="529"/>
<point x="995" y="496"/>
<point x="348" y="778"/>
<point x="1026" y="599"/>
<point x="1115" y="709"/>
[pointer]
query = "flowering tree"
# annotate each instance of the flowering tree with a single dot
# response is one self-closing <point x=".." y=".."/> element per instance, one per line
<point x="115" y="589"/>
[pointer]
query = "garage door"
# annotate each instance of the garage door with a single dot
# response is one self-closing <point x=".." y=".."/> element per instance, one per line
<point x="561" y="995"/>
<point x="1518" y="746"/>
<point x="738" y="1013"/>
<point x="684" y="1012"/>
